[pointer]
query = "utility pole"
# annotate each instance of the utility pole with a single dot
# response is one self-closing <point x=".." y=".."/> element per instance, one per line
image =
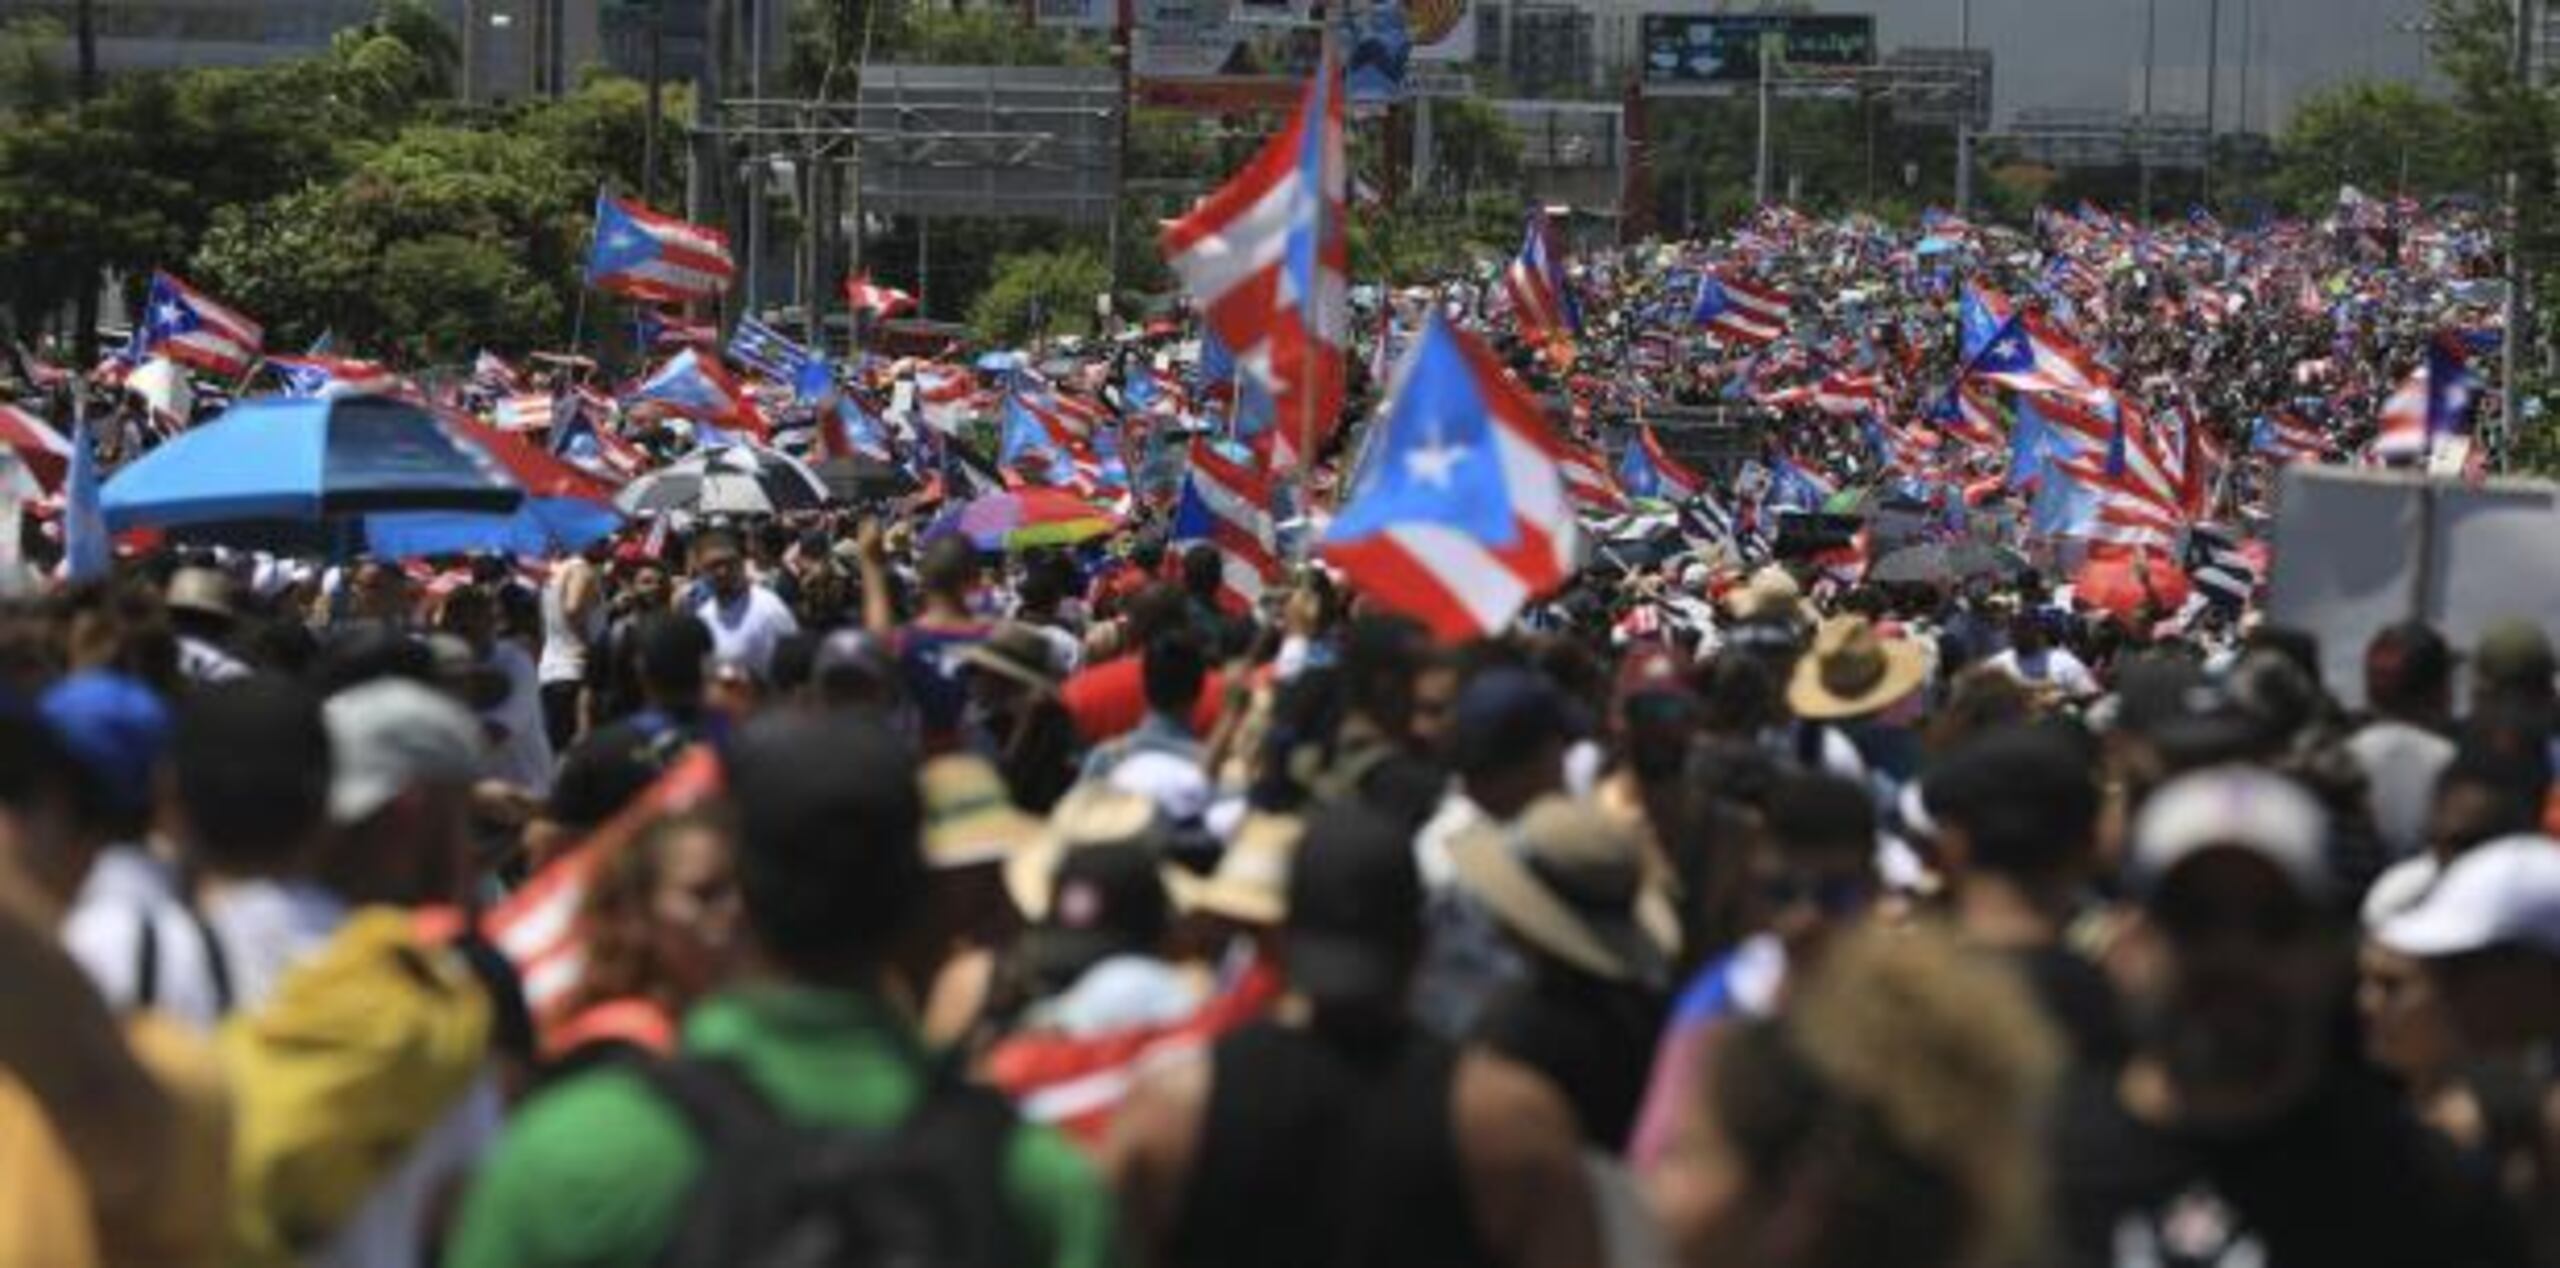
<point x="2150" y="57"/>
<point x="1964" y="122"/>
<point x="2518" y="312"/>
<point x="2212" y="94"/>
<point x="1760" y="163"/>
<point x="760" y="161"/>
<point x="85" y="311"/>
<point x="656" y="115"/>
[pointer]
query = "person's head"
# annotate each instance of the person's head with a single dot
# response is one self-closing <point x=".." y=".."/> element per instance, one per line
<point x="1172" y="668"/>
<point x="252" y="762"/>
<point x="674" y="656"/>
<point x="40" y="830"/>
<point x="2513" y="662"/>
<point x="2028" y="633"/>
<point x="1565" y="880"/>
<point x="1007" y="674"/>
<point x="2408" y="1030"/>
<point x="1656" y="714"/>
<point x="2483" y="794"/>
<point x="662" y="913"/>
<point x="1044" y="582"/>
<point x="829" y="818"/>
<point x="2230" y="864"/>
<point x="2019" y="803"/>
<point x="403" y="759"/>
<point x="648" y="586"/>
<point x="948" y="570"/>
<point x="1507" y="737"/>
<point x="2408" y="673"/>
<point x="1203" y="572"/>
<point x="471" y="614"/>
<point x="1105" y="900"/>
<point x="1815" y="872"/>
<point x="117" y="731"/>
<point x="855" y="670"/>
<point x="2489" y="932"/>
<point x="1352" y="935"/>
<point x="379" y="591"/>
<point x="719" y="562"/>
<point x="1381" y="655"/>
<point x="1887" y="1116"/>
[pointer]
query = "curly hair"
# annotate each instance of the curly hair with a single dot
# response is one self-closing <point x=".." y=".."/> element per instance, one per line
<point x="622" y="955"/>
<point x="1892" y="1112"/>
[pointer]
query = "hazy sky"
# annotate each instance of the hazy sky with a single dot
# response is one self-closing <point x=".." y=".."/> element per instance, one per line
<point x="2089" y="52"/>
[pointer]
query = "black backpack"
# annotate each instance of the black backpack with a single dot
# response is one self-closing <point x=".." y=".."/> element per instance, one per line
<point x="779" y="1194"/>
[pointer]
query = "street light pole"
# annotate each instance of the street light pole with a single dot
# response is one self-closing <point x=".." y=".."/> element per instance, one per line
<point x="2150" y="56"/>
<point x="2511" y="345"/>
<point x="2212" y="93"/>
<point x="1760" y="163"/>
<point x="1964" y="122"/>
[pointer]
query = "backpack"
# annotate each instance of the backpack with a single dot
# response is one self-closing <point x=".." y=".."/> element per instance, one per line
<point x="779" y="1194"/>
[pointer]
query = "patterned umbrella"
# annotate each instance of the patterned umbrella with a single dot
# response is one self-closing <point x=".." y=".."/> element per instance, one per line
<point x="1024" y="518"/>
<point x="730" y="480"/>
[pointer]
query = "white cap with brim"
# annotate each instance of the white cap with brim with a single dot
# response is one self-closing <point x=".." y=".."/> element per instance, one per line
<point x="2237" y="807"/>
<point x="390" y="735"/>
<point x="2504" y="893"/>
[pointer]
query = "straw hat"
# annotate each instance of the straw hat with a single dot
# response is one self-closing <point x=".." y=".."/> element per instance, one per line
<point x="1091" y="814"/>
<point x="201" y="590"/>
<point x="1771" y="592"/>
<point x="1016" y="652"/>
<point x="969" y="818"/>
<point x="1853" y="671"/>
<point x="1566" y="878"/>
<point x="1251" y="885"/>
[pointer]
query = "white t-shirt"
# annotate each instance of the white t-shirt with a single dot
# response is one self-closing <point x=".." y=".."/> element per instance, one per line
<point x="745" y="629"/>
<point x="2401" y="763"/>
<point x="523" y="758"/>
<point x="262" y="928"/>
<point x="2055" y="667"/>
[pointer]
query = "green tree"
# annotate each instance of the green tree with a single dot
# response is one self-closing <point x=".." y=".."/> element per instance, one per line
<point x="1040" y="293"/>
<point x="2382" y="137"/>
<point x="33" y="52"/>
<point x="1473" y="148"/>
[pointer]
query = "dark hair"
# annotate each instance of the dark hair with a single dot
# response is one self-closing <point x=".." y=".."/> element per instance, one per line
<point x="2025" y="797"/>
<point x="1172" y="669"/>
<point x="715" y="538"/>
<point x="34" y="763"/>
<point x="1817" y="812"/>
<point x="2516" y="782"/>
<point x="1380" y="656"/>
<point x="1202" y="571"/>
<point x="793" y="657"/>
<point x="252" y="763"/>
<point x="1153" y="610"/>
<point x="948" y="567"/>
<point x="672" y="648"/>
<point x="828" y="815"/>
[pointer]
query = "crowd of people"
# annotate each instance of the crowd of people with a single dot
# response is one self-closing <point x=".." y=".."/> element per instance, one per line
<point x="824" y="888"/>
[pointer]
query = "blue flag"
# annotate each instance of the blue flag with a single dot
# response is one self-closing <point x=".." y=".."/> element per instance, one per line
<point x="87" y="551"/>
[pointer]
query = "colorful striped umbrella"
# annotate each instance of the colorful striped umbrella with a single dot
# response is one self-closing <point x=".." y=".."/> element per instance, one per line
<point x="1024" y="518"/>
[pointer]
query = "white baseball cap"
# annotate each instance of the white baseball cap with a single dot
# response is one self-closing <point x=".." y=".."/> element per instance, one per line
<point x="390" y="734"/>
<point x="2242" y="807"/>
<point x="2503" y="893"/>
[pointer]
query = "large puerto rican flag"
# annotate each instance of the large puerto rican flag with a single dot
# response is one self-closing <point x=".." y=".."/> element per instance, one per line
<point x="189" y="327"/>
<point x="1228" y="505"/>
<point x="2025" y="352"/>
<point x="1741" y="312"/>
<point x="644" y="255"/>
<point x="1541" y="294"/>
<point x="1458" y="514"/>
<point x="1266" y="260"/>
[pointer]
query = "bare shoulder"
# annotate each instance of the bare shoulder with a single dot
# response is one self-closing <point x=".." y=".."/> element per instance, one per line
<point x="1523" y="1160"/>
<point x="1503" y="1106"/>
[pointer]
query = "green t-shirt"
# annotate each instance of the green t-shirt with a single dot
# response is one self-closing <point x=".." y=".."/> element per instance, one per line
<point x="595" y="1171"/>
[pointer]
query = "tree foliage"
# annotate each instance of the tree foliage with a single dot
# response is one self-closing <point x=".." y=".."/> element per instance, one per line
<point x="1041" y="293"/>
<point x="2377" y="136"/>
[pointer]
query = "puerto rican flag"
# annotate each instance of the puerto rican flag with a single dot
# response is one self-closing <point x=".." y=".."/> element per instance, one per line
<point x="2286" y="436"/>
<point x="644" y="255"/>
<point x="45" y="452"/>
<point x="335" y="376"/>
<point x="1843" y="394"/>
<point x="695" y="386"/>
<point x="523" y="411"/>
<point x="1228" y="505"/>
<point x="1740" y="312"/>
<point x="867" y="296"/>
<point x="187" y="326"/>
<point x="2027" y="353"/>
<point x="577" y="437"/>
<point x="1457" y="514"/>
<point x="1587" y="481"/>
<point x="491" y="374"/>
<point x="2433" y="403"/>
<point x="1648" y="472"/>
<point x="1541" y="294"/>
<point x="848" y="428"/>
<point x="1266" y="259"/>
<point x="945" y="398"/>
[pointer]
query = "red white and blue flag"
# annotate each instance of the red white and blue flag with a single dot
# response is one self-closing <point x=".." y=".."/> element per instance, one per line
<point x="1648" y="473"/>
<point x="1541" y="294"/>
<point x="1228" y="505"/>
<point x="2434" y="402"/>
<point x="847" y="428"/>
<point x="46" y="453"/>
<point x="2287" y="437"/>
<point x="2027" y="353"/>
<point x="335" y="376"/>
<point x="1266" y="260"/>
<point x="1741" y="312"/>
<point x="189" y="327"/>
<point x="1587" y="481"/>
<point x="695" y="386"/>
<point x="867" y="296"/>
<point x="1458" y="514"/>
<point x="645" y="255"/>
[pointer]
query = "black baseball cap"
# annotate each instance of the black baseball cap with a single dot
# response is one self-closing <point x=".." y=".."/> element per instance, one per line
<point x="1355" y="908"/>
<point x="1504" y="714"/>
<point x="1106" y="900"/>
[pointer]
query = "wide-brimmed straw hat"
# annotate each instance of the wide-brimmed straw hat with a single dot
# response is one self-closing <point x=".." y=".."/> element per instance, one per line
<point x="1251" y="883"/>
<point x="1016" y="652"/>
<point x="1771" y="593"/>
<point x="1852" y="671"/>
<point x="1091" y="814"/>
<point x="1565" y="878"/>
<point x="969" y="818"/>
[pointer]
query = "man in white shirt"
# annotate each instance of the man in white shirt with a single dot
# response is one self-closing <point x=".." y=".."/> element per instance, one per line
<point x="746" y="620"/>
<point x="2408" y="684"/>
<point x="2041" y="665"/>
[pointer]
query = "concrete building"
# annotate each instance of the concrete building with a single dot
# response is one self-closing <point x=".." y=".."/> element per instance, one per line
<point x="164" y="34"/>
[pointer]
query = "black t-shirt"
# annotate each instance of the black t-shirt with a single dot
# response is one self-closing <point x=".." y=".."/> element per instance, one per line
<point x="2080" y="1001"/>
<point x="2348" y="1180"/>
